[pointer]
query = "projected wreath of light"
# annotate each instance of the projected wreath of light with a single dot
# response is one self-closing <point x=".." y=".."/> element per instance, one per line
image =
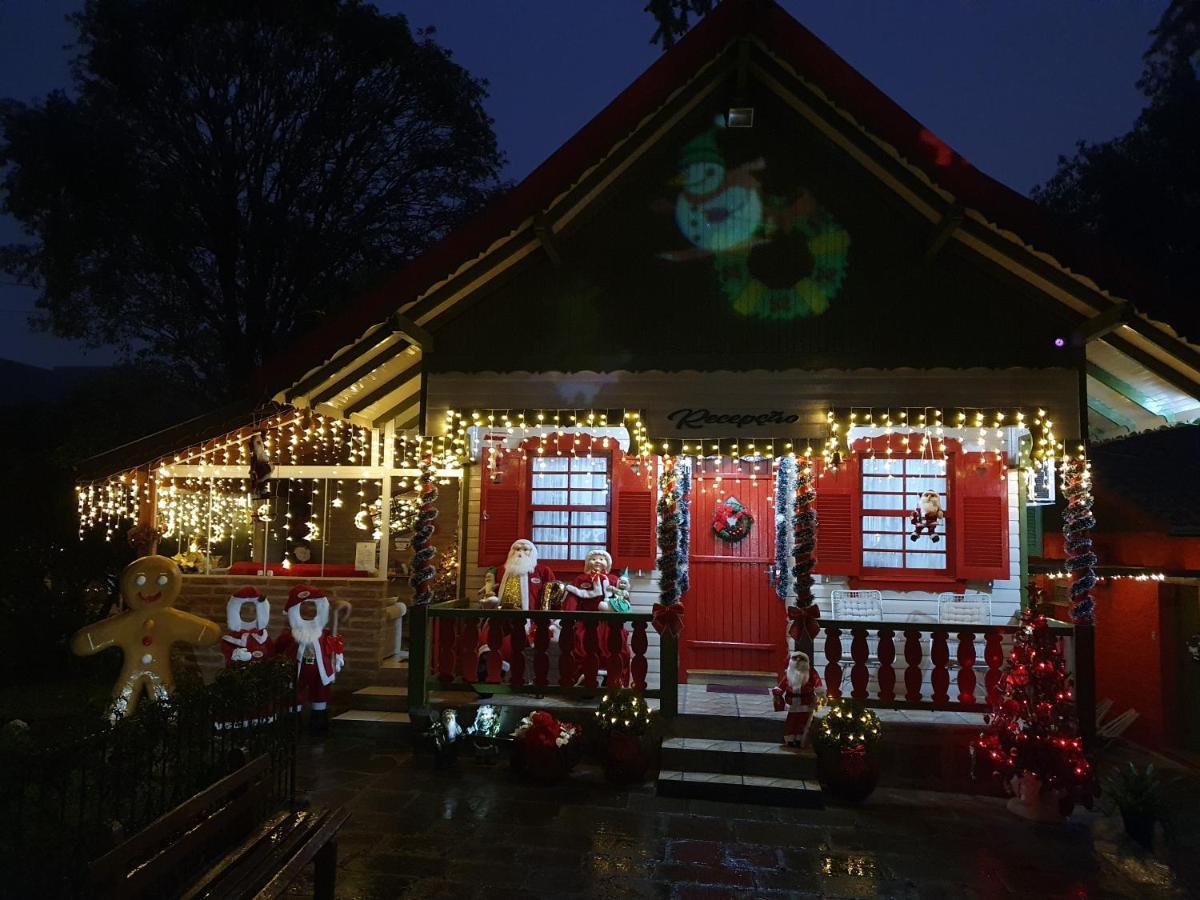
<point x="775" y="256"/>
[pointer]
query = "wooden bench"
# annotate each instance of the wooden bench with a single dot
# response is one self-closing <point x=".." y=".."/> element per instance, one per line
<point x="270" y="854"/>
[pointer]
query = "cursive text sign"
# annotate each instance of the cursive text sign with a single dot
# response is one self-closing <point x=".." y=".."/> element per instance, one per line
<point x="699" y="418"/>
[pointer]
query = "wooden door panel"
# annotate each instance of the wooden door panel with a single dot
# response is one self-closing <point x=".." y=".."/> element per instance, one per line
<point x="735" y="622"/>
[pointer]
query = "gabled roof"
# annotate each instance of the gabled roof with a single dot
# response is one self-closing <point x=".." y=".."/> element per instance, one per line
<point x="1141" y="372"/>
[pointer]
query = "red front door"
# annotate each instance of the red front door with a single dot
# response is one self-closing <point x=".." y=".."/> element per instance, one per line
<point x="735" y="622"/>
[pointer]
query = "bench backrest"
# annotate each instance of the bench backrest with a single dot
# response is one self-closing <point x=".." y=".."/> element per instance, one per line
<point x="863" y="606"/>
<point x="131" y="868"/>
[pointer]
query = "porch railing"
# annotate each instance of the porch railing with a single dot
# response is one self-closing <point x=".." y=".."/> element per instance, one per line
<point x="919" y="665"/>
<point x="445" y="652"/>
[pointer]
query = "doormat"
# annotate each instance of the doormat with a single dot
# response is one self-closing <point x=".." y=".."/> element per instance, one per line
<point x="736" y="689"/>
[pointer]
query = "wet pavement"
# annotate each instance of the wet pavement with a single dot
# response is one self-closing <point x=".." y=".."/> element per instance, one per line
<point x="475" y="831"/>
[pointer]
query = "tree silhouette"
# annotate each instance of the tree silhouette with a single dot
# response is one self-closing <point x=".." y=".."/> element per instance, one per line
<point x="224" y="173"/>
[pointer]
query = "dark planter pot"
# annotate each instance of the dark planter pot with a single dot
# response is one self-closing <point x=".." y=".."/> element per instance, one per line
<point x="846" y="775"/>
<point x="542" y="765"/>
<point x="626" y="758"/>
<point x="1140" y="827"/>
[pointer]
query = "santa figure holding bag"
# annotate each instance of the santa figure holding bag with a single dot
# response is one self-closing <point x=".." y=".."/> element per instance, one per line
<point x="318" y="652"/>
<point x="797" y="693"/>
<point x="247" y="642"/>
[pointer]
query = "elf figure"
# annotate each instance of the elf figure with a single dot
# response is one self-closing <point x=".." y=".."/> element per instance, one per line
<point x="797" y="693"/>
<point x="925" y="517"/>
<point x="617" y="599"/>
<point x="247" y="642"/>
<point x="317" y="651"/>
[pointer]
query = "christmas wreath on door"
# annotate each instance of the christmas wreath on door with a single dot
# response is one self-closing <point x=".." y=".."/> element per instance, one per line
<point x="732" y="521"/>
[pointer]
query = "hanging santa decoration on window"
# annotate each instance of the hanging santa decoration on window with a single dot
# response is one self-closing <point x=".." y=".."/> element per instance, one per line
<point x="926" y="516"/>
<point x="732" y="521"/>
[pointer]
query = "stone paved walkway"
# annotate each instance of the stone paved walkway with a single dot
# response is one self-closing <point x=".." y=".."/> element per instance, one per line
<point x="476" y="832"/>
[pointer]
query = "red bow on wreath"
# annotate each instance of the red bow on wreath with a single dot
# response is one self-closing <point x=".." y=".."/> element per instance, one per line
<point x="668" y="618"/>
<point x="806" y="616"/>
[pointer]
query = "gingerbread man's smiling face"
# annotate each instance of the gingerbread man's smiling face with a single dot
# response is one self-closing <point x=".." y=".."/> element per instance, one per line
<point x="151" y="582"/>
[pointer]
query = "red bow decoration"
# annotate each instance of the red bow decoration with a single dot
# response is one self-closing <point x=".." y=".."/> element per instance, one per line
<point x="335" y="644"/>
<point x="854" y="759"/>
<point x="806" y="616"/>
<point x="668" y="618"/>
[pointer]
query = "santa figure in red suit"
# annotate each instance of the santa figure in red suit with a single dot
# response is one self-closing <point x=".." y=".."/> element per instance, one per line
<point x="797" y="693"/>
<point x="591" y="590"/>
<point x="247" y="642"/>
<point x="523" y="578"/>
<point x="317" y="652"/>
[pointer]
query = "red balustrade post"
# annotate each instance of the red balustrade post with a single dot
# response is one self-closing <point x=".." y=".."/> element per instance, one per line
<point x="541" y="655"/>
<point x="887" y="673"/>
<point x="638" y="665"/>
<point x="518" y="641"/>
<point x="939" y="655"/>
<point x="966" y="667"/>
<point x="591" y="654"/>
<point x="860" y="675"/>
<point x="468" y="651"/>
<point x="617" y="676"/>
<point x="914" y="655"/>
<point x="833" y="667"/>
<point x="495" y="642"/>
<point x="447" y="649"/>
<point x="993" y="655"/>
<point x="566" y="658"/>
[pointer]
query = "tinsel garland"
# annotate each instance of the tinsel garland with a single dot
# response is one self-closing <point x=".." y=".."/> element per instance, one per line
<point x="804" y="525"/>
<point x="685" y="526"/>
<point x="423" y="569"/>
<point x="1078" y="522"/>
<point x="785" y="491"/>
<point x="668" y="533"/>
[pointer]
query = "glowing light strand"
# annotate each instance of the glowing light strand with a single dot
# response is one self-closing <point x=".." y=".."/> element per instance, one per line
<point x="1078" y="522"/>
<point x="422" y="540"/>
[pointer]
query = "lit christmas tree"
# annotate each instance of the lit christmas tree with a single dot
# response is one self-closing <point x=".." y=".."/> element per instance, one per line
<point x="1033" y="731"/>
<point x="445" y="582"/>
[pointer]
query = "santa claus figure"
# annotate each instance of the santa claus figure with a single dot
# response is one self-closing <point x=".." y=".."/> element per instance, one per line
<point x="925" y="517"/>
<point x="247" y="642"/>
<point x="523" y="578"/>
<point x="797" y="693"/>
<point x="317" y="651"/>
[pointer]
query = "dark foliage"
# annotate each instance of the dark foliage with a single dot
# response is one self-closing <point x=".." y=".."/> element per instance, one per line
<point x="673" y="18"/>
<point x="1140" y="193"/>
<point x="225" y="173"/>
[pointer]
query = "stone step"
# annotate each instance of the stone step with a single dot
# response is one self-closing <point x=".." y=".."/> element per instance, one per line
<point x="728" y="728"/>
<point x="373" y="723"/>
<point x="393" y="671"/>
<point x="759" y="758"/>
<point x="734" y="788"/>
<point x="383" y="697"/>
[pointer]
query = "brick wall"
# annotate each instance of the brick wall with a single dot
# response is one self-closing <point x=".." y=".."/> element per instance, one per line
<point x="367" y="633"/>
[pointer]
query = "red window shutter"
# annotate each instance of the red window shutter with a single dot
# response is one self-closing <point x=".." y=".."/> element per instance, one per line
<point x="502" y="508"/>
<point x="981" y="510"/>
<point x="839" y="525"/>
<point x="634" y="520"/>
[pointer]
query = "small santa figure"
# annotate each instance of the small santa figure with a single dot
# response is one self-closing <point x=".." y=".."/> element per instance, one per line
<point x="523" y="578"/>
<point x="925" y="517"/>
<point x="797" y="693"/>
<point x="317" y="651"/>
<point x="247" y="642"/>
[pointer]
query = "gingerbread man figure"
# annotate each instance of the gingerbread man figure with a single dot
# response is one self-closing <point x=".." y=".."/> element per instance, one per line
<point x="145" y="632"/>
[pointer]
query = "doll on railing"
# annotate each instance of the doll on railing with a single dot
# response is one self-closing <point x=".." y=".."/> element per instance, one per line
<point x="595" y="591"/>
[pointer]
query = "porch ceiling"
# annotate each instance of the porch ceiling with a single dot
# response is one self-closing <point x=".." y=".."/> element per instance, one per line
<point x="1131" y="391"/>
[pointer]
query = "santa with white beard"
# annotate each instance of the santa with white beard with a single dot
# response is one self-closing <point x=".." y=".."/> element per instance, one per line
<point x="523" y="578"/>
<point x="797" y="693"/>
<point x="247" y="642"/>
<point x="318" y="653"/>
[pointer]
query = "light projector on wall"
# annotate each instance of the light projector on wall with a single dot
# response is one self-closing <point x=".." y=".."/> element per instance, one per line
<point x="740" y="117"/>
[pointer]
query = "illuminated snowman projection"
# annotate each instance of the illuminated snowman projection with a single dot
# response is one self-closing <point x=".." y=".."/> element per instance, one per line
<point x="716" y="210"/>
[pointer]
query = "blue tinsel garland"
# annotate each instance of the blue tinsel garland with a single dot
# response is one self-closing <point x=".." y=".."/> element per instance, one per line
<point x="1078" y="522"/>
<point x="785" y="493"/>
<point x="668" y="534"/>
<point x="685" y="524"/>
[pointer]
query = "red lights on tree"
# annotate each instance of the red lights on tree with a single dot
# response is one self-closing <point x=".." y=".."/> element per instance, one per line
<point x="1032" y="737"/>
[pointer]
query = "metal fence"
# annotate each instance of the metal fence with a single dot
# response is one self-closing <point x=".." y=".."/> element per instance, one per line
<point x="62" y="806"/>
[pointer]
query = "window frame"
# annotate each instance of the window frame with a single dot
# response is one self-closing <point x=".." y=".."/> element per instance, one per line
<point x="949" y="537"/>
<point x="533" y="508"/>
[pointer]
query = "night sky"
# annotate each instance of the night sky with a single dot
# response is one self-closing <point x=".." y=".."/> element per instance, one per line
<point x="1010" y="84"/>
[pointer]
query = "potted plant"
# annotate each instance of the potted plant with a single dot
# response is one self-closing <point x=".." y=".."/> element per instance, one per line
<point x="1137" y="794"/>
<point x="625" y="724"/>
<point x="845" y="739"/>
<point x="545" y="749"/>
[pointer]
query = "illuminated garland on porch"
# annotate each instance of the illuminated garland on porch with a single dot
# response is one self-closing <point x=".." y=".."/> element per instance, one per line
<point x="804" y="524"/>
<point x="1078" y="522"/>
<point x="685" y="526"/>
<point x="422" y="541"/>
<point x="785" y="490"/>
<point x="668" y="533"/>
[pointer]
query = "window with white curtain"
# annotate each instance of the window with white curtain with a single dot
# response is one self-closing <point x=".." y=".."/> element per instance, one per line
<point x="569" y="499"/>
<point x="891" y="491"/>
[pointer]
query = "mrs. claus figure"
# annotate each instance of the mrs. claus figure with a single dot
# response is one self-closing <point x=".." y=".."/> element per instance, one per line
<point x="317" y="652"/>
<point x="247" y="642"/>
<point x="797" y="693"/>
